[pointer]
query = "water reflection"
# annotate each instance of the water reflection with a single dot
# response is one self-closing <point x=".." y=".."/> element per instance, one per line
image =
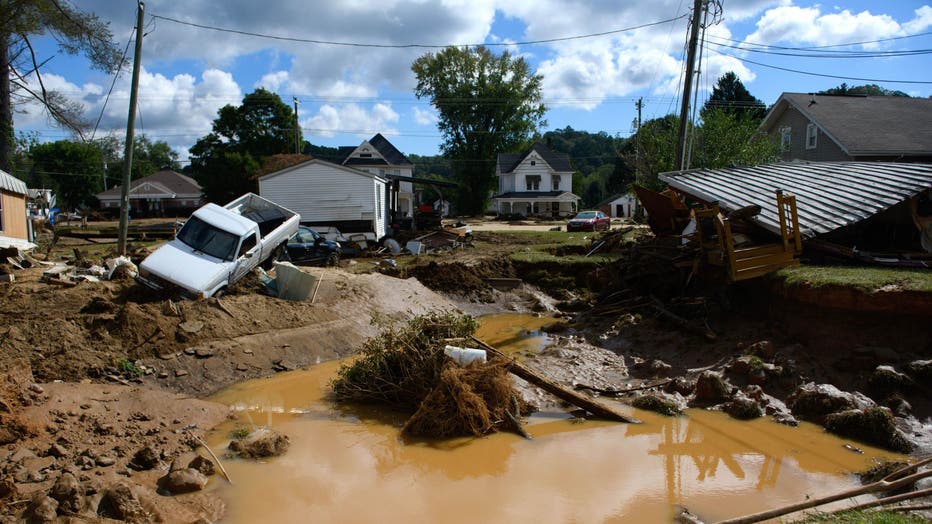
<point x="349" y="464"/>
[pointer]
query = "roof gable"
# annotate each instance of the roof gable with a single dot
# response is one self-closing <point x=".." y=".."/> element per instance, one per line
<point x="375" y="151"/>
<point x="12" y="184"/>
<point x="508" y="162"/>
<point x="166" y="181"/>
<point x="864" y="125"/>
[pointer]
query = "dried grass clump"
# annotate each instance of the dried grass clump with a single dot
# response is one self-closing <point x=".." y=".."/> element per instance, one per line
<point x="406" y="368"/>
<point x="402" y="365"/>
<point x="473" y="400"/>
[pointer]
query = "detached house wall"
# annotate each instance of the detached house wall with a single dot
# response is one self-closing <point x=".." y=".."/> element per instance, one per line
<point x="13" y="207"/>
<point x="798" y="146"/>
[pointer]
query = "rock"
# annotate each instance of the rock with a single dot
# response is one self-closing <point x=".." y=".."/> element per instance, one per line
<point x="204" y="352"/>
<point x="242" y="367"/>
<point x="181" y="373"/>
<point x="144" y="459"/>
<point x="191" y="327"/>
<point x="183" y="481"/>
<point x="654" y="368"/>
<point x="163" y="374"/>
<point x="743" y="407"/>
<point x="202" y="464"/>
<point x="681" y="385"/>
<point x="868" y="357"/>
<point x="886" y="380"/>
<point x="920" y="370"/>
<point x="711" y="389"/>
<point x="105" y="461"/>
<point x="763" y="349"/>
<point x="8" y="488"/>
<point x="57" y="450"/>
<point x="182" y="461"/>
<point x="813" y="402"/>
<point x="658" y="403"/>
<point x="41" y="509"/>
<point x="874" y="425"/>
<point x="120" y="503"/>
<point x="262" y="442"/>
<point x="190" y="351"/>
<point x="35" y="388"/>
<point x="69" y="493"/>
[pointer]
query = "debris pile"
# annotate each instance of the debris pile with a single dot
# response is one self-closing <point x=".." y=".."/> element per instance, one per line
<point x="407" y="368"/>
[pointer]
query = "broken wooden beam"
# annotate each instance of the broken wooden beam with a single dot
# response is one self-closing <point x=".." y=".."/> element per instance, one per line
<point x="596" y="408"/>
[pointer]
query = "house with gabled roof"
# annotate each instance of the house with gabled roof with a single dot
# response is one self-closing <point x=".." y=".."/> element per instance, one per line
<point x="163" y="193"/>
<point x="822" y="128"/>
<point x="380" y="157"/>
<point x="537" y="181"/>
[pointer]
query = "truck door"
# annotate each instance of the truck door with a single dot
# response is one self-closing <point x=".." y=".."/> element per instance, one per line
<point x="247" y="259"/>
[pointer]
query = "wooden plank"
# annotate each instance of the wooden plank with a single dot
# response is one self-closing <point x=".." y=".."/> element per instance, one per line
<point x="758" y="250"/>
<point x="596" y="408"/>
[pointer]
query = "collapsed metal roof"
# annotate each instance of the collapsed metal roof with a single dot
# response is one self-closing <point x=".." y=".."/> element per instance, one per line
<point x="829" y="195"/>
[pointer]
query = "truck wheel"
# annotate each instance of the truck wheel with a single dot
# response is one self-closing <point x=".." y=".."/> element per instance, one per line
<point x="220" y="292"/>
<point x="279" y="254"/>
<point x="333" y="259"/>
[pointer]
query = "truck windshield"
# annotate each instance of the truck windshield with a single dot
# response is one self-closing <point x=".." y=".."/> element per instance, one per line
<point x="203" y="237"/>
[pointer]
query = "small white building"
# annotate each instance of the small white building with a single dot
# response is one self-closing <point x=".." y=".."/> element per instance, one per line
<point x="535" y="182"/>
<point x="380" y="157"/>
<point x="327" y="194"/>
<point x="621" y="206"/>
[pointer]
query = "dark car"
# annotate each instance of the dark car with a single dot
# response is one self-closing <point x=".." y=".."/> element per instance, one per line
<point x="589" y="221"/>
<point x="307" y="247"/>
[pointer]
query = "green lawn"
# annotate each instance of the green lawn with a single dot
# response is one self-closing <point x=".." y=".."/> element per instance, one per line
<point x="869" y="279"/>
<point x="865" y="517"/>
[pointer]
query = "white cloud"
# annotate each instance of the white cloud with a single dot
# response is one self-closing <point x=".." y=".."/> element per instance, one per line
<point x="272" y="81"/>
<point x="425" y="117"/>
<point x="922" y="21"/>
<point x="352" y="119"/>
<point x="809" y="25"/>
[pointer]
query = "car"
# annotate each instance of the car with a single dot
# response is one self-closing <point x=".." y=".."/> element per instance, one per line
<point x="589" y="221"/>
<point x="307" y="247"/>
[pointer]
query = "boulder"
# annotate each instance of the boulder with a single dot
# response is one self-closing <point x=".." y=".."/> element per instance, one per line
<point x="41" y="509"/>
<point x="69" y="494"/>
<point x="874" y="425"/>
<point x="120" y="503"/>
<point x="262" y="442"/>
<point x="920" y="370"/>
<point x="813" y="402"/>
<point x="661" y="403"/>
<point x="711" y="389"/>
<point x="681" y="385"/>
<point x="743" y="407"/>
<point x="144" y="459"/>
<point x="886" y="380"/>
<point x="763" y="349"/>
<point x="183" y="481"/>
<point x="204" y="465"/>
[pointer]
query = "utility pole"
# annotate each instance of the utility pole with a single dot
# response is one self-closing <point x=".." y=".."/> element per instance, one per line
<point x="637" y="143"/>
<point x="297" y="128"/>
<point x="680" y="160"/>
<point x="130" y="131"/>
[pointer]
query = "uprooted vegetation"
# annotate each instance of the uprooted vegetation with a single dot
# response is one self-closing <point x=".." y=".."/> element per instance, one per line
<point x="406" y="368"/>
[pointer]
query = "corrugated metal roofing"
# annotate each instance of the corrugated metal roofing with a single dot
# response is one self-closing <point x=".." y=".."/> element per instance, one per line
<point x="829" y="195"/>
<point x="12" y="184"/>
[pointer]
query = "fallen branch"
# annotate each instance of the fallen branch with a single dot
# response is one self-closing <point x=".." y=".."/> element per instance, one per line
<point x="224" y="308"/>
<point x="316" y="287"/>
<point x="214" y="456"/>
<point x="568" y="395"/>
<point x="887" y="500"/>
<point x="516" y="421"/>
<point x="618" y="392"/>
<point x="685" y="324"/>
<point x="885" y="484"/>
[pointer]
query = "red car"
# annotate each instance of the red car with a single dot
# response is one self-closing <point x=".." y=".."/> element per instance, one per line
<point x="589" y="221"/>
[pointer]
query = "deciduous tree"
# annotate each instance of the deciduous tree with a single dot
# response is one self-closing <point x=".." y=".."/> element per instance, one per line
<point x="487" y="104"/>
<point x="730" y="95"/>
<point x="75" y="31"/>
<point x="73" y="170"/>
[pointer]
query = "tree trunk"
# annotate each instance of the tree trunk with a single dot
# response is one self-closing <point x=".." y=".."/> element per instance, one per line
<point x="6" y="107"/>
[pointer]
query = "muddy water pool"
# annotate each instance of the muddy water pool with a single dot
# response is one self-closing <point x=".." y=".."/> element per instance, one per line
<point x="349" y="464"/>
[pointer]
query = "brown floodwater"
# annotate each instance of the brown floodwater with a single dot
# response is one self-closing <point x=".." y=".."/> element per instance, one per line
<point x="350" y="464"/>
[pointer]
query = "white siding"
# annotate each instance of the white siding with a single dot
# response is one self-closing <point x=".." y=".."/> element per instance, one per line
<point x="322" y="192"/>
<point x="543" y="170"/>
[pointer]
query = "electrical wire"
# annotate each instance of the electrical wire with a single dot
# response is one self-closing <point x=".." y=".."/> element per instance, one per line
<point x="810" y="73"/>
<point x="833" y="54"/>
<point x="415" y="46"/>
<point x="826" y="46"/>
<point x="113" y="83"/>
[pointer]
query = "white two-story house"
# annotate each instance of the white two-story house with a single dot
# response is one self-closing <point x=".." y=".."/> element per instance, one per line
<point x="535" y="182"/>
<point x="379" y="157"/>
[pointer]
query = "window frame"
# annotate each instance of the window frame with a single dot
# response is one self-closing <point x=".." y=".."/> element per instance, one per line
<point x="555" y="182"/>
<point x="812" y="136"/>
<point x="786" y="138"/>
<point x="532" y="182"/>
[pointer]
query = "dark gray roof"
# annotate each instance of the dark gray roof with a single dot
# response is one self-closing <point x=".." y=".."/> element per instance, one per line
<point x="829" y="195"/>
<point x="171" y="180"/>
<point x="364" y="162"/>
<point x="533" y="194"/>
<point x="556" y="161"/>
<point x="388" y="151"/>
<point x="344" y="152"/>
<point x="12" y="184"/>
<point x="865" y="125"/>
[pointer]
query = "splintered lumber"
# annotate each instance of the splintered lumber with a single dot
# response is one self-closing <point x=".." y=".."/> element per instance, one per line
<point x="890" y="482"/>
<point x="568" y="395"/>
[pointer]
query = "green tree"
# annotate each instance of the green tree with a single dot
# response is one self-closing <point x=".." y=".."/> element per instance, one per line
<point x="732" y="139"/>
<point x="866" y="89"/>
<point x="487" y="105"/>
<point x="225" y="161"/>
<point x="148" y="157"/>
<point x="75" y="31"/>
<point x="730" y="95"/>
<point x="74" y="170"/>
<point x="657" y="141"/>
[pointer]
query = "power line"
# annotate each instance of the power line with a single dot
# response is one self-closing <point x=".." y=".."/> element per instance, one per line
<point x="811" y="48"/>
<point x="113" y="83"/>
<point x="886" y="81"/>
<point x="831" y="54"/>
<point x="414" y="46"/>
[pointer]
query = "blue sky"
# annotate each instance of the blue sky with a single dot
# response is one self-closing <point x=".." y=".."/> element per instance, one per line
<point x="349" y="93"/>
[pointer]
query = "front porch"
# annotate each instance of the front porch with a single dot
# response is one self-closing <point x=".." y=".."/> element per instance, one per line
<point x="551" y="204"/>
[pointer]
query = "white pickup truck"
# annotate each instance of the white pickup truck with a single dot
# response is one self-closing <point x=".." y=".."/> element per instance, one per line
<point x="219" y="245"/>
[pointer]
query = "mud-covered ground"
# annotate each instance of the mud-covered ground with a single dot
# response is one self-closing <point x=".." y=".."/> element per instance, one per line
<point x="95" y="374"/>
